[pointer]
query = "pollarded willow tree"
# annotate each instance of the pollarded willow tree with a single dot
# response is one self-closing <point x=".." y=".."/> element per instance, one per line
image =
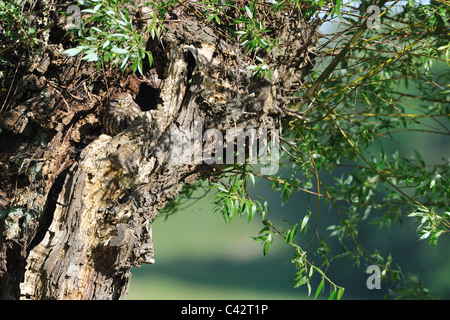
<point x="230" y="92"/>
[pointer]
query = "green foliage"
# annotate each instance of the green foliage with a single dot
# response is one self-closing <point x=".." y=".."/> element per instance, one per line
<point x="213" y="10"/>
<point x="107" y="35"/>
<point x="14" y="22"/>
<point x="253" y="34"/>
<point x="431" y="224"/>
<point x="411" y="289"/>
<point x="235" y="200"/>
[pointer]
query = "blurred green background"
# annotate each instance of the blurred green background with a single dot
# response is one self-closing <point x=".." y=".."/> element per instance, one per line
<point x="200" y="256"/>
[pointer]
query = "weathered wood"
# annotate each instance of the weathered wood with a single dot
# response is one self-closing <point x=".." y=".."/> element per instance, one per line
<point x="80" y="219"/>
<point x="100" y="226"/>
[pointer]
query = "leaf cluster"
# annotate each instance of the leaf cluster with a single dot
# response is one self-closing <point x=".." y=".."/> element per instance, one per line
<point x="16" y="25"/>
<point x="107" y="35"/>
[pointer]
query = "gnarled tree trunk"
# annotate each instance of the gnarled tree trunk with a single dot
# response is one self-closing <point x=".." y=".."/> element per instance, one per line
<point x="76" y="204"/>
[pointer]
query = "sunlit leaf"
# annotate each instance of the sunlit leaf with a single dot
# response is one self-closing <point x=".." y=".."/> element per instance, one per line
<point x="319" y="288"/>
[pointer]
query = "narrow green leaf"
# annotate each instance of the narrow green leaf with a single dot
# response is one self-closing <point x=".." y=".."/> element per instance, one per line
<point x="299" y="274"/>
<point x="265" y="211"/>
<point x="249" y="12"/>
<point x="119" y="50"/>
<point x="124" y="62"/>
<point x="266" y="248"/>
<point x="414" y="214"/>
<point x="260" y="238"/>
<point x="120" y="35"/>
<point x="252" y="178"/>
<point x="311" y="271"/>
<point x="251" y="212"/>
<point x="319" y="288"/>
<point x="91" y="57"/>
<point x="304" y="222"/>
<point x="288" y="236"/>
<point x="425" y="235"/>
<point x="88" y="11"/>
<point x="230" y="208"/>
<point x="332" y="295"/>
<point x="97" y="29"/>
<point x="301" y="282"/>
<point x="291" y="234"/>
<point x="221" y="187"/>
<point x="134" y="66"/>
<point x="73" y="51"/>
<point x="447" y="54"/>
<point x="340" y="293"/>
<point x="105" y="44"/>
<point x="140" y="67"/>
<point x="97" y="7"/>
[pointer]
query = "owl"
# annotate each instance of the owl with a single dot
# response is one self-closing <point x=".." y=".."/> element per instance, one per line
<point x="120" y="113"/>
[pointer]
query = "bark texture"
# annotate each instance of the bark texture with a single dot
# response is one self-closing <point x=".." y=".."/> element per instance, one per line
<point x="76" y="204"/>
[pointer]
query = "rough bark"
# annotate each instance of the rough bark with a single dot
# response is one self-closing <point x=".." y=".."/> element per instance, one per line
<point x="76" y="204"/>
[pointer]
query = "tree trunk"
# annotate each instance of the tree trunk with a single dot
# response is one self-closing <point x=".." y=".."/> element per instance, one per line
<point x="76" y="204"/>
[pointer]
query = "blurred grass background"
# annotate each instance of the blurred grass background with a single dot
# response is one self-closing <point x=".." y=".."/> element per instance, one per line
<point x="200" y="256"/>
